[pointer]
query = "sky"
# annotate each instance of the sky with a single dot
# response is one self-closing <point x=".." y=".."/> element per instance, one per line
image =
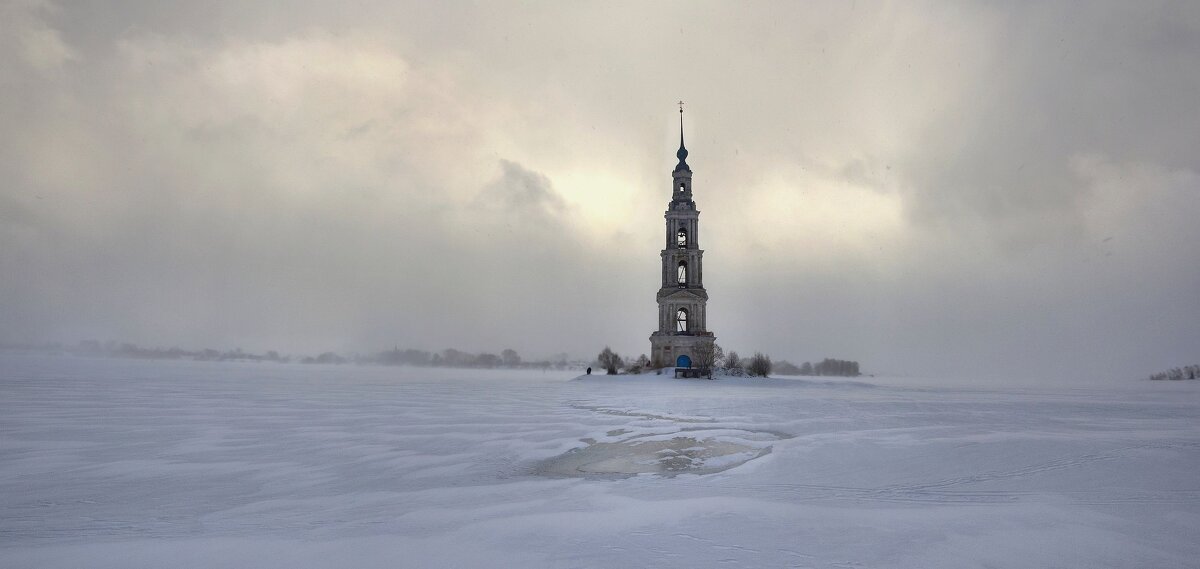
<point x="975" y="189"/>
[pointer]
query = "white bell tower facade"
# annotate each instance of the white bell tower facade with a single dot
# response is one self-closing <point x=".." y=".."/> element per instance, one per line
<point x="682" y="300"/>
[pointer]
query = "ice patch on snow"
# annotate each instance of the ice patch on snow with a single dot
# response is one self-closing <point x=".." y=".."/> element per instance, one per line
<point x="691" y="452"/>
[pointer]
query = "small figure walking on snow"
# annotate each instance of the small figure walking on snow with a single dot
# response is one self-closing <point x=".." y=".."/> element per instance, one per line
<point x="589" y="371"/>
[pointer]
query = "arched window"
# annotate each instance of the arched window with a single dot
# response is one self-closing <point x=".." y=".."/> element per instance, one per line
<point x="681" y="238"/>
<point x="681" y="186"/>
<point x="681" y="274"/>
<point x="681" y="323"/>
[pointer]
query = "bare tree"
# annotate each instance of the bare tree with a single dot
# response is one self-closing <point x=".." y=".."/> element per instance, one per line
<point x="733" y="360"/>
<point x="610" y="361"/>
<point x="510" y="357"/>
<point x="760" y="365"/>
<point x="706" y="357"/>
<point x="639" y="364"/>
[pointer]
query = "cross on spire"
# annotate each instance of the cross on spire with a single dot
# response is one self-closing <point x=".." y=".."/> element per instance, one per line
<point x="682" y="153"/>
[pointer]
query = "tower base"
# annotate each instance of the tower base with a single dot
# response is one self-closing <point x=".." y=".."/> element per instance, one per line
<point x="666" y="349"/>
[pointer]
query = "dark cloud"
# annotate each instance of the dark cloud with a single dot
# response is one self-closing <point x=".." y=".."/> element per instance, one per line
<point x="524" y="193"/>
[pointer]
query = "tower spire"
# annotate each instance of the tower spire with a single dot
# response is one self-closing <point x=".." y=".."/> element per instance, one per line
<point x="682" y="153"/>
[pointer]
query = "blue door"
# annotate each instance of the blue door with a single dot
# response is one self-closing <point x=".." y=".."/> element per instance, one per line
<point x="683" y="361"/>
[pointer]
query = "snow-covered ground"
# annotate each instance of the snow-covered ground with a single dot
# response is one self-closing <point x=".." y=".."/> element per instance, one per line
<point x="117" y="463"/>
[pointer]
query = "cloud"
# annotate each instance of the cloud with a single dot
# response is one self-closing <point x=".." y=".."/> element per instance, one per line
<point x="28" y="41"/>
<point x="524" y="193"/>
<point x="923" y="188"/>
<point x="314" y="191"/>
<point x="1058" y="82"/>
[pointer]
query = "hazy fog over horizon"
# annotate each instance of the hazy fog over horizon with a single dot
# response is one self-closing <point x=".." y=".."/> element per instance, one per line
<point x="976" y="189"/>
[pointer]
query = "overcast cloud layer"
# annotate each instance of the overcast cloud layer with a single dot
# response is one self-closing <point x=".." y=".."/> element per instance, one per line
<point x="985" y="190"/>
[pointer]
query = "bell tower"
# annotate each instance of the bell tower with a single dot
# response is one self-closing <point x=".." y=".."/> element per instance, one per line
<point x="682" y="301"/>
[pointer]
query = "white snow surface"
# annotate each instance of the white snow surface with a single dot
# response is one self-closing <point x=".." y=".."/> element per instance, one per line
<point x="119" y="463"/>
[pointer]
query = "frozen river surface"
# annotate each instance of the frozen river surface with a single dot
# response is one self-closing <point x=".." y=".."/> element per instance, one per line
<point x="110" y="463"/>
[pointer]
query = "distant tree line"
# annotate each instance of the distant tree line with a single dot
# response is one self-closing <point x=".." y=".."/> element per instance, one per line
<point x="93" y="348"/>
<point x="784" y="367"/>
<point x="1185" y="372"/>
<point x="450" y="357"/>
<point x="713" y="360"/>
<point x="828" y="366"/>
